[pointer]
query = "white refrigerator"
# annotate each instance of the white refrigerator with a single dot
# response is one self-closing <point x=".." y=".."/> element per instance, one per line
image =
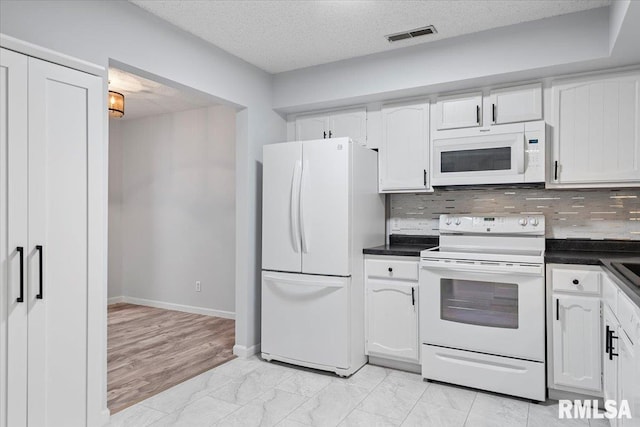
<point x="320" y="208"/>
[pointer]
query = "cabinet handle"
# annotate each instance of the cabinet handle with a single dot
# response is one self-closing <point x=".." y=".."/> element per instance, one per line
<point x="390" y="270"/>
<point x="413" y="296"/>
<point x="478" y="114"/>
<point x="40" y="294"/>
<point x="20" y="251"/>
<point x="555" y="170"/>
<point x="493" y="111"/>
<point x="575" y="281"/>
<point x="329" y="134"/>
<point x="425" y="177"/>
<point x="607" y="346"/>
<point x="557" y="308"/>
<point x="611" y="338"/>
<point x="324" y="135"/>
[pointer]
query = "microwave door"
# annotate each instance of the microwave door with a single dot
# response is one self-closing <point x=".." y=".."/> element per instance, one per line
<point x="491" y="159"/>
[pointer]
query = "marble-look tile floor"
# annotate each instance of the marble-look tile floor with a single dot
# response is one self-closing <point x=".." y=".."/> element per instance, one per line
<point x="252" y="392"/>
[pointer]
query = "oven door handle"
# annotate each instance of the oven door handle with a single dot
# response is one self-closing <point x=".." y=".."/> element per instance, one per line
<point x="534" y="270"/>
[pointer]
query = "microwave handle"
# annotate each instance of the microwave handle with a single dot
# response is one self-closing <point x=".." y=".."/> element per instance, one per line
<point x="519" y="148"/>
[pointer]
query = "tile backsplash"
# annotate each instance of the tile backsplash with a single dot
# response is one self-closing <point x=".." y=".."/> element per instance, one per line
<point x="596" y="213"/>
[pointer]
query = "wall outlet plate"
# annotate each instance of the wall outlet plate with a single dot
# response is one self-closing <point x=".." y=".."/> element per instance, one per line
<point x="198" y="286"/>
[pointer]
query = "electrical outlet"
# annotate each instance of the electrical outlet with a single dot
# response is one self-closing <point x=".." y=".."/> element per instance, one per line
<point x="198" y="286"/>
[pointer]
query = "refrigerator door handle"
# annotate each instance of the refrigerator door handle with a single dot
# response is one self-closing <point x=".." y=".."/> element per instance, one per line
<point x="305" y="171"/>
<point x="295" y="206"/>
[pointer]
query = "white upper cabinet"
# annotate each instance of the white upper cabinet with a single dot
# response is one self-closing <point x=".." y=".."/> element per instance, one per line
<point x="597" y="131"/>
<point x="313" y="127"/>
<point x="459" y="111"/>
<point x="516" y="104"/>
<point x="404" y="152"/>
<point x="350" y="123"/>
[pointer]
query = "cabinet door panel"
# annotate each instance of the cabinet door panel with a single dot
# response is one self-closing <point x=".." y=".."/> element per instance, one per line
<point x="311" y="127"/>
<point x="404" y="154"/>
<point x="460" y="111"/>
<point x="597" y="131"/>
<point x="349" y="123"/>
<point x="65" y="112"/>
<point x="628" y="378"/>
<point x="13" y="234"/>
<point x="576" y="342"/>
<point x="609" y="365"/>
<point x="392" y="319"/>
<point x="517" y="104"/>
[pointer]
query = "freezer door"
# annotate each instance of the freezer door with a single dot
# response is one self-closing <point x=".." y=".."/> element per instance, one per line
<point x="281" y="175"/>
<point x="306" y="318"/>
<point x="325" y="207"/>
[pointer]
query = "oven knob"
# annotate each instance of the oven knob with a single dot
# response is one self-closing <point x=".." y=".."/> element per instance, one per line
<point x="458" y="221"/>
<point x="533" y="221"/>
<point x="447" y="221"/>
<point x="522" y="221"/>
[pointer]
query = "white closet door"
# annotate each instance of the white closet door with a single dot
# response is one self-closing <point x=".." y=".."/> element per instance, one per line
<point x="65" y="116"/>
<point x="13" y="234"/>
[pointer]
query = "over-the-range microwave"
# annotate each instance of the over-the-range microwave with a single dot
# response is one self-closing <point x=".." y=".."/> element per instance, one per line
<point x="502" y="154"/>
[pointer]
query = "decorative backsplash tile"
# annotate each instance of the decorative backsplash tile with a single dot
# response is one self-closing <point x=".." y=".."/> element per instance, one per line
<point x="595" y="214"/>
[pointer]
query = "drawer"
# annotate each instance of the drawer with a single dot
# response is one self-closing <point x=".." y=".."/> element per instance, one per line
<point x="392" y="269"/>
<point x="577" y="280"/>
<point x="610" y="293"/>
<point x="629" y="318"/>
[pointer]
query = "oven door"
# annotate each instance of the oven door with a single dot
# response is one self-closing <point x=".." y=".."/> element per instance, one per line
<point x="492" y="308"/>
<point x="487" y="159"/>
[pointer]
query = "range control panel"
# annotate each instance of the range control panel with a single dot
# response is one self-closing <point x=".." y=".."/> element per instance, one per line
<point x="511" y="224"/>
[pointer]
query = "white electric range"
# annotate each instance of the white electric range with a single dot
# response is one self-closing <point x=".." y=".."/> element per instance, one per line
<point x="482" y="298"/>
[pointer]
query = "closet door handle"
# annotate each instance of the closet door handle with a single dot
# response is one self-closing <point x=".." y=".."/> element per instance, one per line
<point x="413" y="296"/>
<point x="330" y="134"/>
<point x="555" y="170"/>
<point x="478" y="114"/>
<point x="424" y="177"/>
<point x="40" y="294"/>
<point x="557" y="308"/>
<point x="493" y="110"/>
<point x="20" y="250"/>
<point x="324" y="135"/>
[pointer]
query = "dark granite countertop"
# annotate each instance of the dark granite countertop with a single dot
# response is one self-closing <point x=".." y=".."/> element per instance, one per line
<point x="597" y="252"/>
<point x="403" y="245"/>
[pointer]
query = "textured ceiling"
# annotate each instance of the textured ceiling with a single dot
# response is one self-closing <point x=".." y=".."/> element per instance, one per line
<point x="144" y="97"/>
<point x="285" y="35"/>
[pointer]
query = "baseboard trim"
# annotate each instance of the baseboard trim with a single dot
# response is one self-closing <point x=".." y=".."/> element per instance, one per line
<point x="179" y="307"/>
<point x="115" y="300"/>
<point x="244" y="351"/>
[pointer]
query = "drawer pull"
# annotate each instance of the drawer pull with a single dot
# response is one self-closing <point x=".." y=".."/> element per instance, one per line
<point x="390" y="270"/>
<point x="576" y="282"/>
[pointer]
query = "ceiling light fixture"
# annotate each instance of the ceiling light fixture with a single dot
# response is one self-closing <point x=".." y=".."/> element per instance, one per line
<point x="116" y="104"/>
<point x="417" y="32"/>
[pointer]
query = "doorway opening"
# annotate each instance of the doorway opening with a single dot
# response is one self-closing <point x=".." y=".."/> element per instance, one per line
<point x="171" y="277"/>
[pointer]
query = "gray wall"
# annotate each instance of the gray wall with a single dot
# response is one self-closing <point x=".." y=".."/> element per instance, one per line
<point x="173" y="220"/>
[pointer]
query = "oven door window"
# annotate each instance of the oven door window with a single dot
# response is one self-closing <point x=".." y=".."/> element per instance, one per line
<point x="479" y="303"/>
<point x="476" y="160"/>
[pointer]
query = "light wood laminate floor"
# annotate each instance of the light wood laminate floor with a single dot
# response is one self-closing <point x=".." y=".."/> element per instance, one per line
<point x="152" y="349"/>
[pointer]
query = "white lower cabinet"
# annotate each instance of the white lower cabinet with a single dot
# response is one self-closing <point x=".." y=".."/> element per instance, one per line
<point x="574" y="325"/>
<point x="51" y="345"/>
<point x="392" y="308"/>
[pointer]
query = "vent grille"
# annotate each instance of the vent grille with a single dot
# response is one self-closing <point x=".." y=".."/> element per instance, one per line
<point x="411" y="34"/>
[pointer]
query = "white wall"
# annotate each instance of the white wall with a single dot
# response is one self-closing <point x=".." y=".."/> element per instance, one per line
<point x="532" y="50"/>
<point x="177" y="205"/>
<point x="115" y="287"/>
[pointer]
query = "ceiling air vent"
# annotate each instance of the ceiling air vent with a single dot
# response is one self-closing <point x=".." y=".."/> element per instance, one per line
<point x="411" y="33"/>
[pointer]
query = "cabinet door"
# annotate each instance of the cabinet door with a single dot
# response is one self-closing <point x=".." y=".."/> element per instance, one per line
<point x="392" y="319"/>
<point x="516" y="104"/>
<point x="576" y="342"/>
<point x="597" y="131"/>
<point x="13" y="235"/>
<point x="65" y="133"/>
<point x="312" y="127"/>
<point x="349" y="123"/>
<point x="404" y="155"/>
<point x="459" y="111"/>
<point x="609" y="363"/>
<point x="629" y="378"/>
